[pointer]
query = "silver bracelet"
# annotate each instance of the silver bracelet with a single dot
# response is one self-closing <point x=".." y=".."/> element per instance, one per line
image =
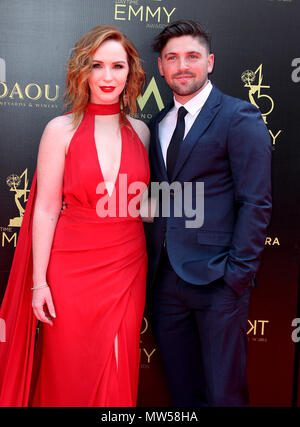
<point x="44" y="285"/>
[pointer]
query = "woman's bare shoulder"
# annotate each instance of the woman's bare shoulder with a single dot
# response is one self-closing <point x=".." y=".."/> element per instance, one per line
<point x="61" y="123"/>
<point x="59" y="131"/>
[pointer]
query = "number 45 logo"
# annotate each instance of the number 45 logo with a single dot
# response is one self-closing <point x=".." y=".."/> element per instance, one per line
<point x="253" y="80"/>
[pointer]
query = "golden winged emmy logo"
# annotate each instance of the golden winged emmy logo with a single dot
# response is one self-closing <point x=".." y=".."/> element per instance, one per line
<point x="21" y="195"/>
<point x="253" y="81"/>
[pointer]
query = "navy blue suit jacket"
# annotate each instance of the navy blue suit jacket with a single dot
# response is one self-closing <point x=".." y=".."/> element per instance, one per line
<point x="228" y="148"/>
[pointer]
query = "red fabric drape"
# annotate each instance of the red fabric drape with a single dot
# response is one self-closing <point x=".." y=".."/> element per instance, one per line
<point x="16" y="353"/>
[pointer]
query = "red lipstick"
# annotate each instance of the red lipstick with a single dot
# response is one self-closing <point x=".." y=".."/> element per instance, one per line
<point x="107" y="88"/>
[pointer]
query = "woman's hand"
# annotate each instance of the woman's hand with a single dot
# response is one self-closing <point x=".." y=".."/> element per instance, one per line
<point x="42" y="304"/>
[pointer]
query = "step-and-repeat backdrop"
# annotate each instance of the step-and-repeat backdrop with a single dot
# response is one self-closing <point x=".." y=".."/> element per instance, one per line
<point x="256" y="44"/>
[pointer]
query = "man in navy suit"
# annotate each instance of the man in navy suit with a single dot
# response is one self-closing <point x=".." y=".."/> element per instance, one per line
<point x="201" y="276"/>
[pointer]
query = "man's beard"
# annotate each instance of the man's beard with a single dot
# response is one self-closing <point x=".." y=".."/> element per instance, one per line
<point x="187" y="90"/>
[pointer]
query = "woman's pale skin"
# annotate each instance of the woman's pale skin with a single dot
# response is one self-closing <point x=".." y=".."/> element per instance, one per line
<point x="106" y="82"/>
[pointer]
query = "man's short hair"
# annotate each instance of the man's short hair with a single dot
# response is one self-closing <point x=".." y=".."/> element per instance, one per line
<point x="178" y="29"/>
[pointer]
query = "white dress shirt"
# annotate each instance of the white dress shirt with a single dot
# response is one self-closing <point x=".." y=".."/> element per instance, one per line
<point x="167" y="125"/>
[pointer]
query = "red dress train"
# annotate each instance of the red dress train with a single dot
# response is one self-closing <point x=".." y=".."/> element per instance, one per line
<point x="97" y="275"/>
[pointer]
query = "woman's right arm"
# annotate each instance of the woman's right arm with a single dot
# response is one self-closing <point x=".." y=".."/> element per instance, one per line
<point x="50" y="170"/>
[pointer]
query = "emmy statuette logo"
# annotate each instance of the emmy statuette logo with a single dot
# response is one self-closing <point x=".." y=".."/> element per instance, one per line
<point x="21" y="195"/>
<point x="253" y="80"/>
<point x="249" y="77"/>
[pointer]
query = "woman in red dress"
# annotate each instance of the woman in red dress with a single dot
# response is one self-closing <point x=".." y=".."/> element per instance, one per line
<point x="87" y="271"/>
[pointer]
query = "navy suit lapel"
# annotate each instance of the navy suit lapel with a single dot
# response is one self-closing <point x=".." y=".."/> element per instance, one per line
<point x="205" y="117"/>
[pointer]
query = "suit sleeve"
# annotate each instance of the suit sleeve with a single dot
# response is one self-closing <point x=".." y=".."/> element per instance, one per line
<point x="249" y="150"/>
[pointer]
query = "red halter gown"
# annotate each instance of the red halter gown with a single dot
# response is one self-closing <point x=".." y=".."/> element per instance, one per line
<point x="97" y="275"/>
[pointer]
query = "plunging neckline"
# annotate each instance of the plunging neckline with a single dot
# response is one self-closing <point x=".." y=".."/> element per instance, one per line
<point x="102" y="179"/>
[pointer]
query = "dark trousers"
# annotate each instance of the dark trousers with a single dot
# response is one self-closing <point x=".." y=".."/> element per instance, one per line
<point x="201" y="333"/>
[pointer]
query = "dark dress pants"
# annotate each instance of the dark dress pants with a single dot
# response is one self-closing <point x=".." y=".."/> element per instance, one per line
<point x="201" y="333"/>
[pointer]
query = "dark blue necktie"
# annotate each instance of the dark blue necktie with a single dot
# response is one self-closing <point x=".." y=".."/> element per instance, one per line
<point x="174" y="146"/>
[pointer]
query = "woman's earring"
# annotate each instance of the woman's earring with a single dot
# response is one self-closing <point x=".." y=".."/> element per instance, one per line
<point x="124" y="96"/>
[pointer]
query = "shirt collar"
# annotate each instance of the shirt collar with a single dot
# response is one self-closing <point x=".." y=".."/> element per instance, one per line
<point x="194" y="105"/>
